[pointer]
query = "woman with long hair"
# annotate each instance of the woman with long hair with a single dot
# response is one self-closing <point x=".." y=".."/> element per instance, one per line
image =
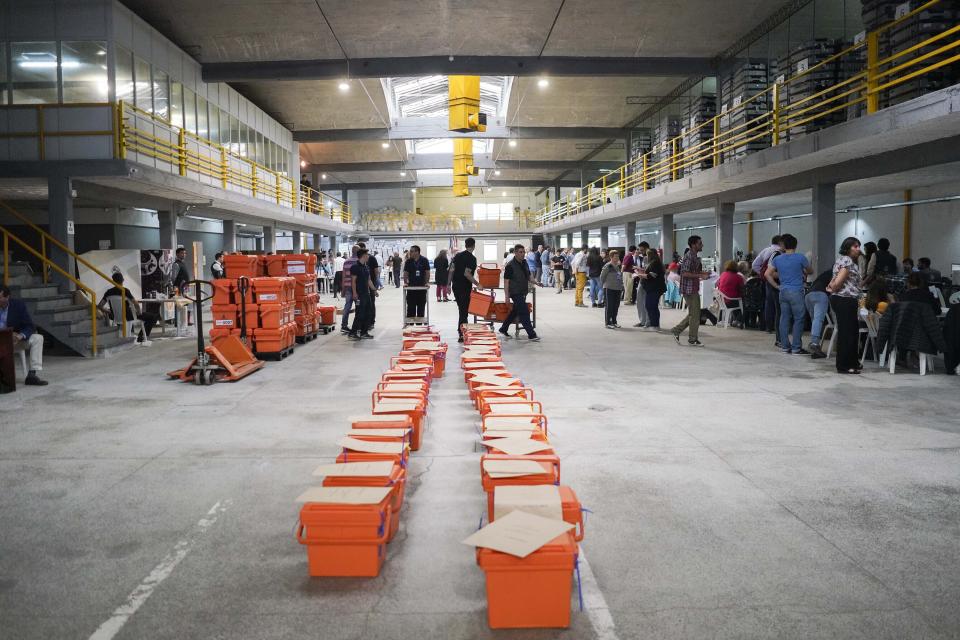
<point x="594" y="266"/>
<point x="441" y="269"/>
<point x="654" y="285"/>
<point x="844" y="290"/>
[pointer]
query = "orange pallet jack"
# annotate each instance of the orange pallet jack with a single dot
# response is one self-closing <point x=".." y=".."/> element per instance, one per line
<point x="228" y="358"/>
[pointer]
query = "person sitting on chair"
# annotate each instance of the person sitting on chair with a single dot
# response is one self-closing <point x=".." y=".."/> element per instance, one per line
<point x="14" y="315"/>
<point x="149" y="318"/>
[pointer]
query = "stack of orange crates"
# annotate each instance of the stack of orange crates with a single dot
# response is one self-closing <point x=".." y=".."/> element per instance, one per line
<point x="350" y="539"/>
<point x="505" y="404"/>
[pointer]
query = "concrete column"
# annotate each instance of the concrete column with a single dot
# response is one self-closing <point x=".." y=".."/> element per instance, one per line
<point x="229" y="236"/>
<point x="317" y="242"/>
<point x="569" y="239"/>
<point x="168" y="228"/>
<point x="724" y="212"/>
<point x="297" y="242"/>
<point x="604" y="237"/>
<point x="631" y="231"/>
<point x="60" y="197"/>
<point x="556" y="193"/>
<point x="666" y="237"/>
<point x="584" y="238"/>
<point x="824" y="201"/>
<point x="269" y="239"/>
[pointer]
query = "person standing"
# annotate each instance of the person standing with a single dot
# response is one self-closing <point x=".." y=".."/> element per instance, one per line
<point x="579" y="267"/>
<point x="338" y="275"/>
<point x="559" y="275"/>
<point x="441" y="267"/>
<point x="691" y="273"/>
<point x="180" y="275"/>
<point x="654" y="284"/>
<point x="546" y="268"/>
<point x="348" y="287"/>
<point x="817" y="303"/>
<point x="770" y="306"/>
<point x="844" y="290"/>
<point x="628" y="264"/>
<point x="643" y="318"/>
<point x="373" y="265"/>
<point x="611" y="278"/>
<point x="594" y="266"/>
<point x="462" y="278"/>
<point x="517" y="278"/>
<point x="416" y="273"/>
<point x="362" y="292"/>
<point x="568" y="281"/>
<point x="216" y="269"/>
<point x="790" y="269"/>
<point x="14" y="315"/>
<point x="883" y="263"/>
<point x="537" y="267"/>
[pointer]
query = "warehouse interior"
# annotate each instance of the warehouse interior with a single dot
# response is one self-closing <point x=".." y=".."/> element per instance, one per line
<point x="209" y="430"/>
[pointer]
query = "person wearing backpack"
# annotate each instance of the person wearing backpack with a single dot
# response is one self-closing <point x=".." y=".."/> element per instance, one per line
<point x="771" y="302"/>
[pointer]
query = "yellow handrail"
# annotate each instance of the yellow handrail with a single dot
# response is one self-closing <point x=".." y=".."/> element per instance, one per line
<point x="668" y="160"/>
<point x="45" y="237"/>
<point x="46" y="262"/>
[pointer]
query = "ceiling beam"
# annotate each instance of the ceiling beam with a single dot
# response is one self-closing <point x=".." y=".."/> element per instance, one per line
<point x="432" y="128"/>
<point x="491" y="184"/>
<point x="444" y="161"/>
<point x="555" y="66"/>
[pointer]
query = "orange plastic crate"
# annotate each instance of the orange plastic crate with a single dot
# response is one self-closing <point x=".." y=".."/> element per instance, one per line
<point x="396" y="421"/>
<point x="550" y="475"/>
<point x="416" y="415"/>
<point x="345" y="540"/>
<point x="306" y="285"/>
<point x="480" y="304"/>
<point x="223" y="291"/>
<point x="237" y="264"/>
<point x="488" y="275"/>
<point x="225" y="316"/>
<point x="272" y="315"/>
<point x="269" y="340"/>
<point x="531" y="592"/>
<point x="572" y="510"/>
<point x="363" y="456"/>
<point x="327" y="315"/>
<point x="397" y="479"/>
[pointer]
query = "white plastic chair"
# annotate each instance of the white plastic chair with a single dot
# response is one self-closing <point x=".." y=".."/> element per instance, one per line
<point x="23" y="362"/>
<point x="726" y="306"/>
<point x="938" y="295"/>
<point x="954" y="298"/>
<point x="870" y="320"/>
<point x="926" y="360"/>
<point x="136" y="325"/>
<point x="829" y="323"/>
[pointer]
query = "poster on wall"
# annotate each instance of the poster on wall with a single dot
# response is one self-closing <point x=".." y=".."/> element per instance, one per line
<point x="109" y="262"/>
<point x="156" y="266"/>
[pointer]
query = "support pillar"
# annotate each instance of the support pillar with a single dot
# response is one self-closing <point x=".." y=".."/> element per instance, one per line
<point x="556" y="193"/>
<point x="317" y="243"/>
<point x="631" y="231"/>
<point x="584" y="238"/>
<point x="604" y="237"/>
<point x="570" y="239"/>
<point x="229" y="236"/>
<point x="824" y="206"/>
<point x="667" y="238"/>
<point x="269" y="239"/>
<point x="724" y="213"/>
<point x="168" y="228"/>
<point x="60" y="190"/>
<point x="297" y="241"/>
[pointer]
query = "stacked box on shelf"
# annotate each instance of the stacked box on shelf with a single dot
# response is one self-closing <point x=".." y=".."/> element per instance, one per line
<point x="801" y="84"/>
<point x="668" y="129"/>
<point x="912" y="32"/>
<point x="698" y="132"/>
<point x="741" y="87"/>
<point x="641" y="142"/>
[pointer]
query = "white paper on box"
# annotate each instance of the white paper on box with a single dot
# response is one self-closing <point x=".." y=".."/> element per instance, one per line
<point x="398" y="432"/>
<point x="345" y="495"/>
<point x="356" y="469"/>
<point x="402" y="386"/>
<point x="508" y="423"/>
<point x="414" y="366"/>
<point x="377" y="418"/>
<point x="495" y="390"/>
<point x="364" y="446"/>
<point x="469" y="366"/>
<point x="395" y="405"/>
<point x="432" y="346"/>
<point x="542" y="500"/>
<point x="493" y="434"/>
<point x="516" y="467"/>
<point x="497" y="381"/>
<point x="518" y="533"/>
<point x="514" y="408"/>
<point x="517" y="446"/>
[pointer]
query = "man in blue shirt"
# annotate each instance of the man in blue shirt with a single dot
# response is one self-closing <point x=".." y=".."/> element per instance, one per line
<point x="791" y="269"/>
<point x="416" y="273"/>
<point x="14" y="315"/>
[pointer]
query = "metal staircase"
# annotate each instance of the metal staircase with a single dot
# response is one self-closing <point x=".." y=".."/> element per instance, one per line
<point x="54" y="311"/>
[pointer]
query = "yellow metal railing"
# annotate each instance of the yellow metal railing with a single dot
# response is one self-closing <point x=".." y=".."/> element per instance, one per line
<point x="313" y="201"/>
<point x="767" y="117"/>
<point x="47" y="264"/>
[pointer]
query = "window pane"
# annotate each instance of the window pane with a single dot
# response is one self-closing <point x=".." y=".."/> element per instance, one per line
<point x="202" y="129"/>
<point x="490" y="253"/>
<point x="234" y="135"/>
<point x="176" y="104"/>
<point x="479" y="211"/>
<point x="34" y="72"/>
<point x="84" y="71"/>
<point x="189" y="110"/>
<point x="144" y="85"/>
<point x="259" y="155"/>
<point x="3" y="73"/>
<point x="124" y="75"/>
<point x="161" y="94"/>
<point x="214" y="124"/>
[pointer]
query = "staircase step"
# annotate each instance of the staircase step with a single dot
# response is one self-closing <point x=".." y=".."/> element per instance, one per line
<point x="21" y="279"/>
<point x="56" y="302"/>
<point x="67" y="313"/>
<point x="36" y="291"/>
<point x="18" y="269"/>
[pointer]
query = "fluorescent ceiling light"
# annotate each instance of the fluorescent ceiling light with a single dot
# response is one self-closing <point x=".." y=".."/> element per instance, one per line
<point x="403" y="173"/>
<point x="303" y="163"/>
<point x="543" y="83"/>
<point x="503" y="194"/>
<point x="323" y="176"/>
<point x="344" y="85"/>
<point x="47" y="64"/>
<point x="513" y="143"/>
<point x="413" y="190"/>
<point x="385" y="145"/>
<point x="497" y="172"/>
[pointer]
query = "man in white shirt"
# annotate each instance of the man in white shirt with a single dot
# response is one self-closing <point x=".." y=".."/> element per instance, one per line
<point x="579" y="267"/>
<point x="338" y="274"/>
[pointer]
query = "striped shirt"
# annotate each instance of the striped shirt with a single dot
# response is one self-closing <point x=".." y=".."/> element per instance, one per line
<point x="690" y="264"/>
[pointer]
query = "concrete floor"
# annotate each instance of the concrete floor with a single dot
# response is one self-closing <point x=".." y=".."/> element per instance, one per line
<point x="736" y="492"/>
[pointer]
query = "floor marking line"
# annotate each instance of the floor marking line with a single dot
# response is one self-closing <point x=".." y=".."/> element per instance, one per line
<point x="594" y="603"/>
<point x="112" y="626"/>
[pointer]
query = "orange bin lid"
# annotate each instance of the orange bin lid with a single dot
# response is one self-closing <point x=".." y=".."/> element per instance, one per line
<point x="559" y="553"/>
<point x="549" y="462"/>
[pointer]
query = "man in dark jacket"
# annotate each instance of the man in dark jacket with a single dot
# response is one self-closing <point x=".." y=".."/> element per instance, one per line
<point x="517" y="279"/>
<point x="181" y="274"/>
<point x="14" y="315"/>
<point x="917" y="291"/>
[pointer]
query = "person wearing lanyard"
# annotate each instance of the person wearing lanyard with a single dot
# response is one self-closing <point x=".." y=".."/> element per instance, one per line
<point x="462" y="275"/>
<point x="416" y="273"/>
<point x="362" y="292"/>
<point x="517" y="278"/>
<point x="844" y="290"/>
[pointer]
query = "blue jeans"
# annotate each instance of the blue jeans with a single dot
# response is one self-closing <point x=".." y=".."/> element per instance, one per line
<point x="817" y="303"/>
<point x="792" y="311"/>
<point x="520" y="314"/>
<point x="347" y="305"/>
<point x="595" y="291"/>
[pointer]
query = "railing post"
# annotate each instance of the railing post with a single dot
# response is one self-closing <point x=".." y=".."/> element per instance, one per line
<point x="603" y="192"/>
<point x="716" y="140"/>
<point x="182" y="152"/>
<point x="623" y="184"/>
<point x="253" y="181"/>
<point x="223" y="167"/>
<point x="775" y="115"/>
<point x="646" y="160"/>
<point x="277" y="188"/>
<point x="673" y="160"/>
<point x="873" y="56"/>
<point x="93" y="326"/>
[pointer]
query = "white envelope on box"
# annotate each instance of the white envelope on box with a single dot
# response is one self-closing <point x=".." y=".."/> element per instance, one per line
<point x="517" y="446"/>
<point x="345" y="495"/>
<point x="513" y="467"/>
<point x="542" y="500"/>
<point x="511" y="422"/>
<point x="356" y="469"/>
<point x="365" y="446"/>
<point x="387" y="433"/>
<point x="518" y="533"/>
<point x="376" y="418"/>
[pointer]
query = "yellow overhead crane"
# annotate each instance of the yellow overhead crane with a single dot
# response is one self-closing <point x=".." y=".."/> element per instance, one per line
<point x="465" y="116"/>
